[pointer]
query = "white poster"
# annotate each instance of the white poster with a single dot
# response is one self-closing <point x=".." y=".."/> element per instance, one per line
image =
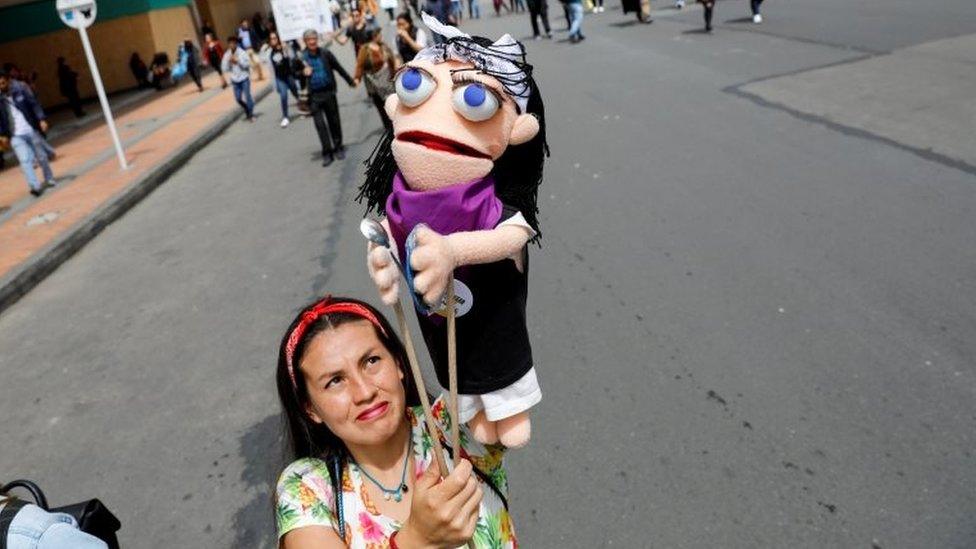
<point x="293" y="17"/>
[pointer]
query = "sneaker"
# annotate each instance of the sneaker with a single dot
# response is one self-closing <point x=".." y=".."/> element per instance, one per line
<point x="679" y="4"/>
<point x="757" y="18"/>
<point x="284" y="122"/>
<point x="548" y="36"/>
<point x="537" y="37"/>
<point x="37" y="192"/>
<point x="327" y="160"/>
<point x="50" y="183"/>
<point x="340" y="153"/>
<point x="573" y="39"/>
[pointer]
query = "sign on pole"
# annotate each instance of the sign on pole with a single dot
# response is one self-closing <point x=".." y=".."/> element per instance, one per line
<point x="293" y="17"/>
<point x="80" y="14"/>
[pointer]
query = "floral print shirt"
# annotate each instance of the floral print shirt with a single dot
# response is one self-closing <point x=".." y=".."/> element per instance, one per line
<point x="305" y="496"/>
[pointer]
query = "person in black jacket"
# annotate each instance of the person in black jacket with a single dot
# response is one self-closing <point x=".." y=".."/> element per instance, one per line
<point x="320" y="68"/>
<point x="68" y="84"/>
<point x="22" y="124"/>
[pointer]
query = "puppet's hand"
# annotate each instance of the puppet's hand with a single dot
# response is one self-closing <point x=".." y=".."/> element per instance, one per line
<point x="384" y="273"/>
<point x="434" y="260"/>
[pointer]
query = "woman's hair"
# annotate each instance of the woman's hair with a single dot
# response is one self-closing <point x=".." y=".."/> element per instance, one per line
<point x="306" y="437"/>
<point x="413" y="28"/>
<point x="517" y="173"/>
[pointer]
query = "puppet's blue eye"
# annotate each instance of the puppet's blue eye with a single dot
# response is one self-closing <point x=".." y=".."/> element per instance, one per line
<point x="474" y="102"/>
<point x="414" y="86"/>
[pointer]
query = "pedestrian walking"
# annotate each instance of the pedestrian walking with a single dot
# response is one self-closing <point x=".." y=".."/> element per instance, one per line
<point x="517" y="5"/>
<point x="756" y="16"/>
<point x="376" y="66"/>
<point x="189" y="58"/>
<point x="409" y="39"/>
<point x="22" y="122"/>
<point x="250" y="42"/>
<point x="215" y="54"/>
<point x="474" y="9"/>
<point x="498" y="5"/>
<point x="237" y="63"/>
<point x="356" y="427"/>
<point x="355" y="30"/>
<point x="708" y="6"/>
<point x="641" y="7"/>
<point x="282" y="59"/>
<point x="598" y="6"/>
<point x="68" y="85"/>
<point x="575" y="20"/>
<point x="539" y="9"/>
<point x="390" y="6"/>
<point x="321" y="66"/>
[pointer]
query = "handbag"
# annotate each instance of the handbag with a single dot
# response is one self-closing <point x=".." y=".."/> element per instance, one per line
<point x="92" y="515"/>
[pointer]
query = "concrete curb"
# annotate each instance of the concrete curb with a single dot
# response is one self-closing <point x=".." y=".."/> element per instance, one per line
<point x="17" y="283"/>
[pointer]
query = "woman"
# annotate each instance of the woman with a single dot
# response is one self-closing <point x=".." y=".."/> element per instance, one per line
<point x="409" y="38"/>
<point x="373" y="58"/>
<point x="282" y="60"/>
<point x="139" y="70"/>
<point x="215" y="53"/>
<point x="356" y="430"/>
<point x="189" y="61"/>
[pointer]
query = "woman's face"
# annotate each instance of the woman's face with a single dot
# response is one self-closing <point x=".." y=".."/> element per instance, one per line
<point x="402" y="24"/>
<point x="354" y="384"/>
<point x="273" y="39"/>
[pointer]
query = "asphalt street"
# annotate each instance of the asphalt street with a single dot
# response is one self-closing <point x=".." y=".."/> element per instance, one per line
<point x="755" y="326"/>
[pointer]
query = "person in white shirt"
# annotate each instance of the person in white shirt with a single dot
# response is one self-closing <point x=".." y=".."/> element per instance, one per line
<point x="236" y="63"/>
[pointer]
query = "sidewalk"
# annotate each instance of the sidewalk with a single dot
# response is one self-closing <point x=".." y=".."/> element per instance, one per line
<point x="159" y="132"/>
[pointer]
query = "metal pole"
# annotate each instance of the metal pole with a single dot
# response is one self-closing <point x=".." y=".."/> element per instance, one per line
<point x="102" y="99"/>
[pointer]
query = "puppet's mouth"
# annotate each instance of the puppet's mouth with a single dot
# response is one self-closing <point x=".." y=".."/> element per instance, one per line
<point x="438" y="143"/>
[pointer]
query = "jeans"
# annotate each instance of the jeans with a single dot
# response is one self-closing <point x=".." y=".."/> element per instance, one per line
<point x="576" y="18"/>
<point x="242" y="91"/>
<point x="35" y="528"/>
<point x="29" y="148"/>
<point x="284" y="86"/>
<point x="754" y="4"/>
<point x="474" y="10"/>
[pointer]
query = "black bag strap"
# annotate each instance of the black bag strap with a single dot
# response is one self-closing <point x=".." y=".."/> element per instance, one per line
<point x="10" y="509"/>
<point x="28" y="485"/>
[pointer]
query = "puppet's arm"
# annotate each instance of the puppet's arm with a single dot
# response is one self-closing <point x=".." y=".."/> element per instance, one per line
<point x="382" y="270"/>
<point x="436" y="256"/>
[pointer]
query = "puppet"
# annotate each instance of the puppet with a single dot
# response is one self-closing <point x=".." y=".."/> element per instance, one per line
<point x="458" y="179"/>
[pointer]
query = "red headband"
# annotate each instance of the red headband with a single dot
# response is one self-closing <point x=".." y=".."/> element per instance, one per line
<point x="320" y="309"/>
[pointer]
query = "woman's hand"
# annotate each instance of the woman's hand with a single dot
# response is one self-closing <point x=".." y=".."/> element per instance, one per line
<point x="384" y="273"/>
<point x="442" y="513"/>
<point x="434" y="260"/>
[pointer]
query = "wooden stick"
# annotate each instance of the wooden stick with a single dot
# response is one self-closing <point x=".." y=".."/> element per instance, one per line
<point x="421" y="389"/>
<point x="452" y="371"/>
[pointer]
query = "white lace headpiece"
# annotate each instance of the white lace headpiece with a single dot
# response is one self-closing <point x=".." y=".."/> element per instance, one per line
<point x="503" y="60"/>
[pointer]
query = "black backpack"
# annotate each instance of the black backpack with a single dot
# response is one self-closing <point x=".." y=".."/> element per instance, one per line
<point x="92" y="516"/>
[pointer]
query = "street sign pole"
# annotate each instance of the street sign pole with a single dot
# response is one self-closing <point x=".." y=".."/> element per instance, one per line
<point x="80" y="14"/>
<point x="100" y="89"/>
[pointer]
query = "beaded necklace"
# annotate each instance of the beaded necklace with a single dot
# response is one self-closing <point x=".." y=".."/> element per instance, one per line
<point x="395" y="494"/>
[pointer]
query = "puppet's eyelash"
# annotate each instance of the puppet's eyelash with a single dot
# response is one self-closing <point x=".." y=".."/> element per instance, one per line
<point x="460" y="80"/>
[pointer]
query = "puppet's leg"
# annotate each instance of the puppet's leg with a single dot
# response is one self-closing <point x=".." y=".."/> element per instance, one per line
<point x="509" y="408"/>
<point x="514" y="431"/>
<point x="482" y="429"/>
<point x="471" y="410"/>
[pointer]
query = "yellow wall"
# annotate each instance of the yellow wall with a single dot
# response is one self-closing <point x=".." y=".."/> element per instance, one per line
<point x="170" y="27"/>
<point x="113" y="42"/>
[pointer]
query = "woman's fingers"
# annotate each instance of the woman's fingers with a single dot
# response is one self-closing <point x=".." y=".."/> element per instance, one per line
<point x="452" y="485"/>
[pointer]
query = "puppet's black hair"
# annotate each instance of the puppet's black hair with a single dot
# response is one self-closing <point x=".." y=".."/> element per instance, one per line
<point x="517" y="173"/>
